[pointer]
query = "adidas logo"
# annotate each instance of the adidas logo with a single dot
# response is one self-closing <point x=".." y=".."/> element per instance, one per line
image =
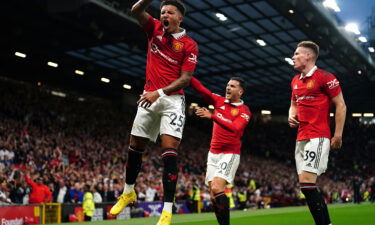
<point x="159" y="37"/>
<point x="309" y="165"/>
<point x="178" y="130"/>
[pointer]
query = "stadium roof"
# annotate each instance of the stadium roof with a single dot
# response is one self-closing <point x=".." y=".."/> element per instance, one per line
<point x="247" y="38"/>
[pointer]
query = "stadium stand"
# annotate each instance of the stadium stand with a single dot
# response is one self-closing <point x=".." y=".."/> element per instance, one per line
<point x="70" y="143"/>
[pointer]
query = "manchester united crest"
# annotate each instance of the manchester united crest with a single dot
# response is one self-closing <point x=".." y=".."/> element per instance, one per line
<point x="310" y="84"/>
<point x="177" y="46"/>
<point x="234" y="111"/>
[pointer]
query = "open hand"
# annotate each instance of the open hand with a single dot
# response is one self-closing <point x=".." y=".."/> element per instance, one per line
<point x="203" y="113"/>
<point x="147" y="99"/>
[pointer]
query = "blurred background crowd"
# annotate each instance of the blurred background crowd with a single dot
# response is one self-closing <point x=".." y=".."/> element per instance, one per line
<point x="51" y="147"/>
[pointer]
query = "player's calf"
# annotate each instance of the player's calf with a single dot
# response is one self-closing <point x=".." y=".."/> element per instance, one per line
<point x="315" y="201"/>
<point x="222" y="208"/>
<point x="170" y="175"/>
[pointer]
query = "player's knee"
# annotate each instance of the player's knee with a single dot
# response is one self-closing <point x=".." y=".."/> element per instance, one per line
<point x="307" y="177"/>
<point x="216" y="188"/>
<point x="138" y="142"/>
<point x="212" y="196"/>
<point x="169" y="142"/>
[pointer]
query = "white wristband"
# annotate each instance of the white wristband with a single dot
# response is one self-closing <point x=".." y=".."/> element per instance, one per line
<point x="161" y="92"/>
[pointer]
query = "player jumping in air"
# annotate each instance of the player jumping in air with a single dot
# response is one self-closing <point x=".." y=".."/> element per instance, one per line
<point x="171" y="60"/>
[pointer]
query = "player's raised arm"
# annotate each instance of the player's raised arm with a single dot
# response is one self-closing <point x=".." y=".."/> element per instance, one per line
<point x="236" y="125"/>
<point x="206" y="94"/>
<point x="139" y="11"/>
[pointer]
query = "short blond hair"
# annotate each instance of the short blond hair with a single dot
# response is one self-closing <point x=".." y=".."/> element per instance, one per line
<point x="310" y="45"/>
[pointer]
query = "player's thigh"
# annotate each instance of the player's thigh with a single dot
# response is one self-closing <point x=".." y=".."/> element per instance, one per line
<point x="212" y="166"/>
<point x="315" y="155"/>
<point x="298" y="154"/>
<point x="227" y="167"/>
<point x="307" y="177"/>
<point x="218" y="185"/>
<point x="173" y="116"/>
<point x="146" y="124"/>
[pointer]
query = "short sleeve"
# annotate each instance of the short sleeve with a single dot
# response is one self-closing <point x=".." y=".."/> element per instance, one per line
<point x="191" y="58"/>
<point x="149" y="27"/>
<point x="331" y="85"/>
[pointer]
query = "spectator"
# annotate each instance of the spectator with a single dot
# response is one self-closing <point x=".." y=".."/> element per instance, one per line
<point x="39" y="191"/>
<point x="4" y="200"/>
<point x="97" y="196"/>
<point x="40" y="129"/>
<point x="61" y="193"/>
<point x="76" y="195"/>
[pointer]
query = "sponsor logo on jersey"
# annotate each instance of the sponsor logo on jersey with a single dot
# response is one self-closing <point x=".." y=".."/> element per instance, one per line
<point x="177" y="46"/>
<point x="295" y="86"/>
<point x="193" y="58"/>
<point x="155" y="49"/>
<point x="333" y="83"/>
<point x="300" y="98"/>
<point x="246" y="117"/>
<point x="220" y="116"/>
<point x="159" y="37"/>
<point x="234" y="111"/>
<point x="310" y="84"/>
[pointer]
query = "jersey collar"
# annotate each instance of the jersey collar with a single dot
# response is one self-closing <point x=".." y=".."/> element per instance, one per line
<point x="179" y="35"/>
<point x="309" y="74"/>
<point x="234" y="103"/>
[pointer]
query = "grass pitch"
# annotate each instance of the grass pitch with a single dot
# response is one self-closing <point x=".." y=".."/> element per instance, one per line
<point x="341" y="214"/>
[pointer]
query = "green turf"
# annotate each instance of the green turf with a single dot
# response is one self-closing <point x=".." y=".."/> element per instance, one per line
<point x="341" y="214"/>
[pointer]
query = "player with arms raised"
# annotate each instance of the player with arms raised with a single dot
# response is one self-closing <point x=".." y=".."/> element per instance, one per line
<point x="230" y="118"/>
<point x="171" y="60"/>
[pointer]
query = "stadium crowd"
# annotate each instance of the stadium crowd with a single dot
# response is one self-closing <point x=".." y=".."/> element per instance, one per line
<point x="51" y="147"/>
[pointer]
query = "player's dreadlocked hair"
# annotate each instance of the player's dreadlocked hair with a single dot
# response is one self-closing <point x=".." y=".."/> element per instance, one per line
<point x="178" y="3"/>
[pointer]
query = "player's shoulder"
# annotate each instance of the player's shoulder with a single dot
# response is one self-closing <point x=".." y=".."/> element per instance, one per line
<point x="296" y="77"/>
<point x="246" y="108"/>
<point x="190" y="41"/>
<point x="218" y="98"/>
<point x="323" y="73"/>
<point x="245" y="112"/>
<point x="152" y="20"/>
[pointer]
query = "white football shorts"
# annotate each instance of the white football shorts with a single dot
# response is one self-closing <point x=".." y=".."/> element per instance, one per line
<point x="165" y="116"/>
<point x="312" y="155"/>
<point x="222" y="165"/>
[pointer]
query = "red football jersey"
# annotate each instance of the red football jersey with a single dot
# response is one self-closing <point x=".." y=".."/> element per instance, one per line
<point x="313" y="96"/>
<point x="168" y="55"/>
<point x="230" y="120"/>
